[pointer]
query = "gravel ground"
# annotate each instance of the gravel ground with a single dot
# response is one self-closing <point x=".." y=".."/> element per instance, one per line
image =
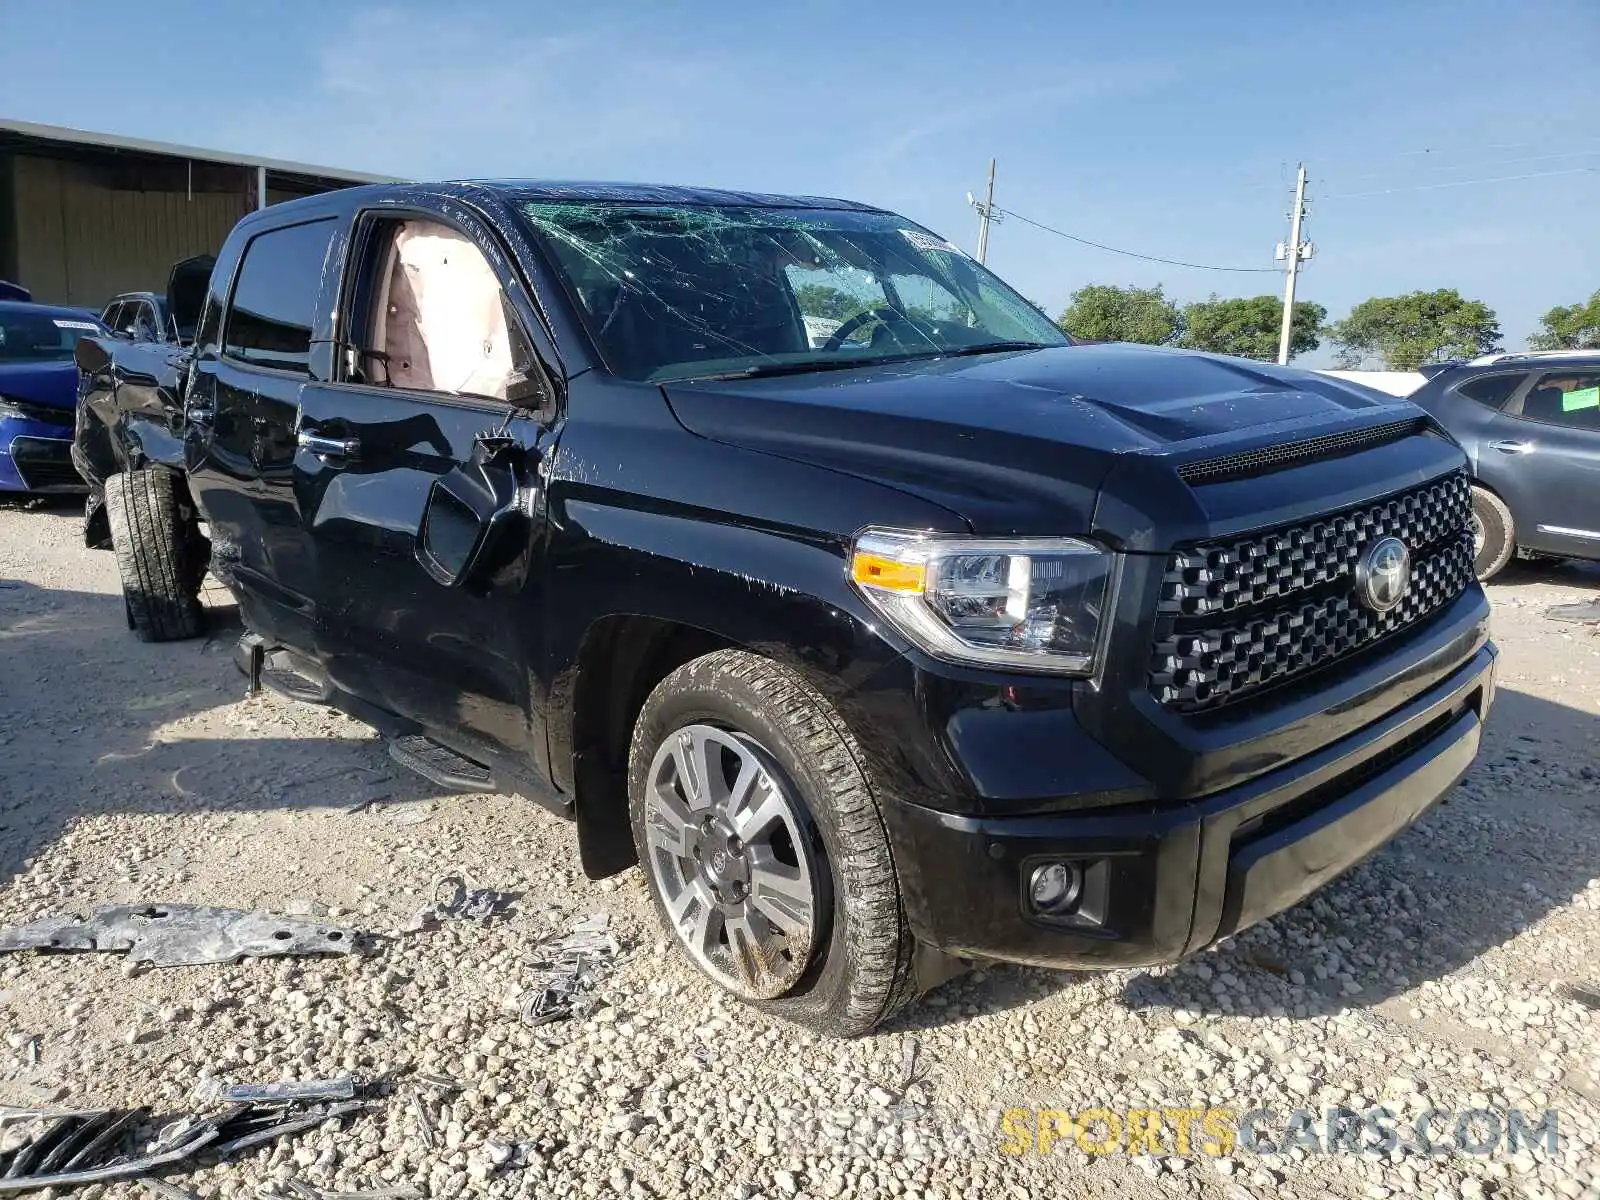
<point x="1450" y="971"/>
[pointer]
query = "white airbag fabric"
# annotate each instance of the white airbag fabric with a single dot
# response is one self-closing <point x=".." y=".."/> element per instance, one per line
<point x="444" y="323"/>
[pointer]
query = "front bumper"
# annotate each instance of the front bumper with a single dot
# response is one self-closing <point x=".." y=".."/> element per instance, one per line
<point x="36" y="456"/>
<point x="1163" y="880"/>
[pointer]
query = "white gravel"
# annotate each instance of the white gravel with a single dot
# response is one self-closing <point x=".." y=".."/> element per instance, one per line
<point x="1435" y="975"/>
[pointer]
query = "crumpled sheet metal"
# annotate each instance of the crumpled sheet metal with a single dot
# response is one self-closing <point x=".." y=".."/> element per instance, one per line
<point x="40" y="1150"/>
<point x="574" y="966"/>
<point x="176" y="935"/>
<point x="214" y="1091"/>
<point x="454" y="899"/>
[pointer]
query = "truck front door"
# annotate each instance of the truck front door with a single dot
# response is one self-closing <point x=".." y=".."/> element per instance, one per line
<point x="434" y="368"/>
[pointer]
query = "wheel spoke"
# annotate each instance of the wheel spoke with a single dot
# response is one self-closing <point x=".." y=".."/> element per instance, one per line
<point x="746" y="950"/>
<point x="679" y="906"/>
<point x="745" y="785"/>
<point x="691" y="782"/>
<point x="782" y="894"/>
<point x="764" y="809"/>
<point x="669" y="824"/>
<point x="705" y="930"/>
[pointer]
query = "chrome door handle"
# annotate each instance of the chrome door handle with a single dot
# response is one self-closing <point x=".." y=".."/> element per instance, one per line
<point x="1511" y="447"/>
<point x="327" y="447"/>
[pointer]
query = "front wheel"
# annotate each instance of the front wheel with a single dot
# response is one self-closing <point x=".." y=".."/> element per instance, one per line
<point x="160" y="555"/>
<point x="764" y="846"/>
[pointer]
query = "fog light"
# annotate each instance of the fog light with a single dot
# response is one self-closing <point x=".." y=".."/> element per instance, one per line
<point x="1055" y="887"/>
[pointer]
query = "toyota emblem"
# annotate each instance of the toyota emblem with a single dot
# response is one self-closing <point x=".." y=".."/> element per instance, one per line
<point x="1383" y="574"/>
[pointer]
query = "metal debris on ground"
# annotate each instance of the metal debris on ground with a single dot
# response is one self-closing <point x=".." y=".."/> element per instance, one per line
<point x="304" y="1191"/>
<point x="162" y="1190"/>
<point x="574" y="966"/>
<point x="454" y="900"/>
<point x="442" y="1083"/>
<point x="181" y="935"/>
<point x="426" y="1129"/>
<point x="913" y="1069"/>
<point x="1579" y="993"/>
<point x="212" y="1091"/>
<point x="40" y="1149"/>
<point x="1586" y="612"/>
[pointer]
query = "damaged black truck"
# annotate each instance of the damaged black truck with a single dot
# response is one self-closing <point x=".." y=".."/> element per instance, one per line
<point x="801" y="561"/>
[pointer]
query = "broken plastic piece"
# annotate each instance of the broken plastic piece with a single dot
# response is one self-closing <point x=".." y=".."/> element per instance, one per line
<point x="1582" y="613"/>
<point x="212" y="1090"/>
<point x="173" y="935"/>
<point x="575" y="966"/>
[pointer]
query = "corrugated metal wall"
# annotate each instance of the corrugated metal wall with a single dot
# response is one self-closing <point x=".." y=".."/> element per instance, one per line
<point x="80" y="242"/>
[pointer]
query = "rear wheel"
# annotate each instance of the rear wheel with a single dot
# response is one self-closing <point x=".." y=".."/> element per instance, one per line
<point x="764" y="847"/>
<point x="1493" y="535"/>
<point x="160" y="555"/>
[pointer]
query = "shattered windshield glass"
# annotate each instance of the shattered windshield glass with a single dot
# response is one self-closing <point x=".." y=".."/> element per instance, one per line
<point x="681" y="291"/>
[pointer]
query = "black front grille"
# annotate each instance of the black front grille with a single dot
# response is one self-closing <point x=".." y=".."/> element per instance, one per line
<point x="1237" y="617"/>
<point x="35" y="411"/>
<point x="1250" y="463"/>
<point x="45" y="464"/>
<point x="1221" y="577"/>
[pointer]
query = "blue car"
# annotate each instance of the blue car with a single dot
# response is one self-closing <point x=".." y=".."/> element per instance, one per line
<point x="39" y="394"/>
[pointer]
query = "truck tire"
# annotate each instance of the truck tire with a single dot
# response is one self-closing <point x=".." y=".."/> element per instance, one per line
<point x="1493" y="535"/>
<point x="764" y="846"/>
<point x="159" y="555"/>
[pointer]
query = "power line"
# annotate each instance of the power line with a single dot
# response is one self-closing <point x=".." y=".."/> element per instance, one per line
<point x="1171" y="262"/>
<point x="1441" y="168"/>
<point x="1428" y="187"/>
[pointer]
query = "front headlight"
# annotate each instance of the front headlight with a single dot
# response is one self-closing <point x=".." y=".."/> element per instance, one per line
<point x="1034" y="604"/>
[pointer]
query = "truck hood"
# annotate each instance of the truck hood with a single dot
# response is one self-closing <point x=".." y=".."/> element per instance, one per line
<point x="1020" y="443"/>
<point x="186" y="291"/>
<point x="50" y="383"/>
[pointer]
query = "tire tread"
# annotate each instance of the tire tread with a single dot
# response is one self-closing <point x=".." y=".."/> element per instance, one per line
<point x="155" y="555"/>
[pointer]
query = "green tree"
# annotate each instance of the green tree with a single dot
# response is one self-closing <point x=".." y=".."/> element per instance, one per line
<point x="820" y="300"/>
<point x="1570" y="327"/>
<point x="1419" y="327"/>
<point x="1249" y="326"/>
<point x="1102" y="312"/>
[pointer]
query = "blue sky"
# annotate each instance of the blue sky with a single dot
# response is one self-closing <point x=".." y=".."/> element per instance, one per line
<point x="1168" y="128"/>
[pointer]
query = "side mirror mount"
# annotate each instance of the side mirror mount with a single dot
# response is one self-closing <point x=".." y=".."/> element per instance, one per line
<point x="527" y="389"/>
<point x="467" y="511"/>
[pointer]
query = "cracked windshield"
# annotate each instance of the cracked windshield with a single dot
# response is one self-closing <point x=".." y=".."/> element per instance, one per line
<point x="686" y="292"/>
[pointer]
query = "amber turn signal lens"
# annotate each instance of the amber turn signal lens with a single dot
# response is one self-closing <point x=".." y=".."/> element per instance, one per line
<point x="887" y="574"/>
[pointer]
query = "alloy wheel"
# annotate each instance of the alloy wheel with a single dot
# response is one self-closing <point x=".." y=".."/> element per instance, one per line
<point x="729" y="854"/>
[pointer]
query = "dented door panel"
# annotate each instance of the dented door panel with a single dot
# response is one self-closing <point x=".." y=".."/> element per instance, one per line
<point x="452" y="659"/>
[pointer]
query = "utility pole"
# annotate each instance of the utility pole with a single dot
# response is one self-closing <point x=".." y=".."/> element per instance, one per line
<point x="986" y="215"/>
<point x="1295" y="251"/>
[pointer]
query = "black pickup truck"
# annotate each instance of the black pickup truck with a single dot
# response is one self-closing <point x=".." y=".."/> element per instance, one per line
<point x="799" y="559"/>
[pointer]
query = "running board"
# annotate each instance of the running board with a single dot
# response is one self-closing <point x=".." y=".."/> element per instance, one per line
<point x="294" y="679"/>
<point x="284" y="672"/>
<point x="440" y="765"/>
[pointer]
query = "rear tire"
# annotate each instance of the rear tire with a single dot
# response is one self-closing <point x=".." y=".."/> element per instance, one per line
<point x="159" y="555"/>
<point x="1494" y="535"/>
<point x="849" y="968"/>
